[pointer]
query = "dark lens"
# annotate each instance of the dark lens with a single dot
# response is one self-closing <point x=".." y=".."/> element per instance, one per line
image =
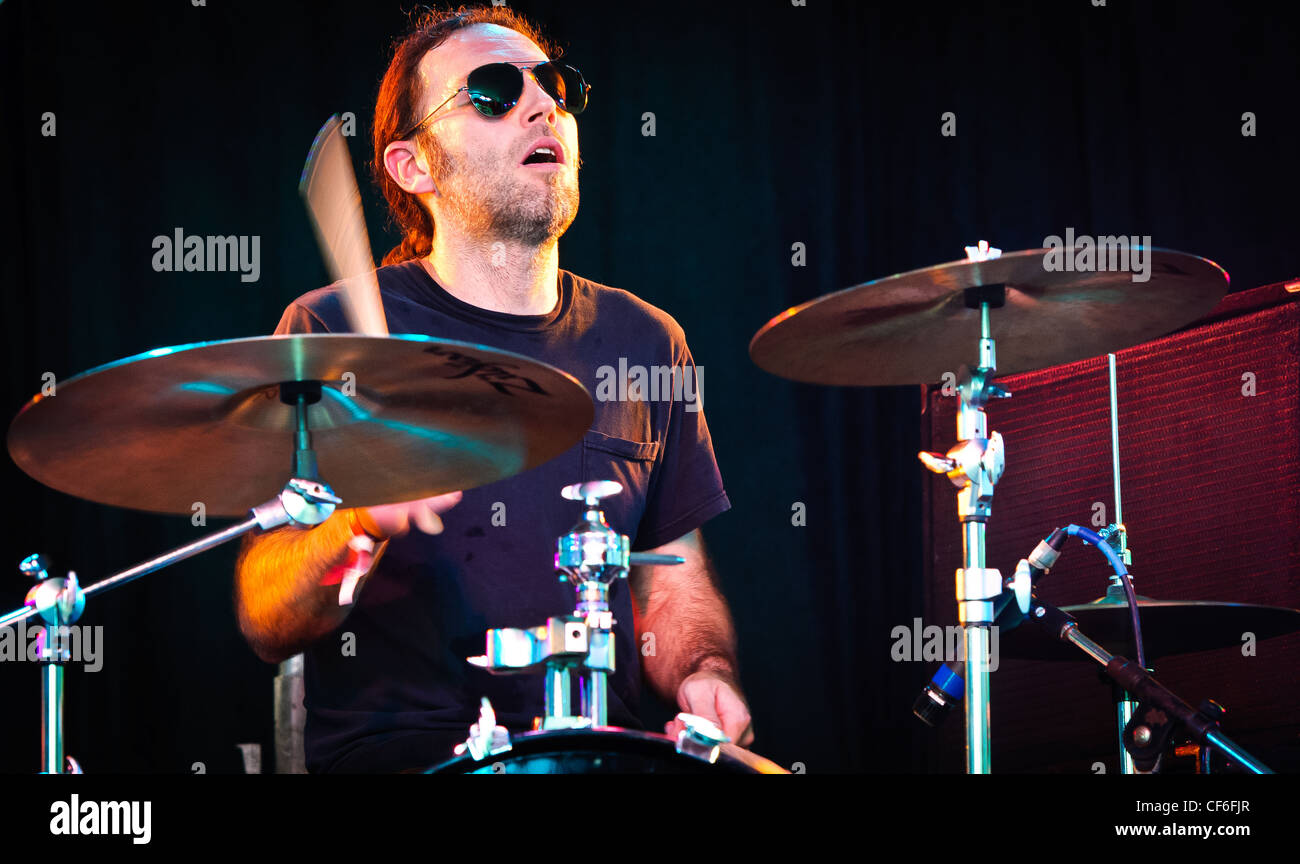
<point x="564" y="84"/>
<point x="494" y="89"/>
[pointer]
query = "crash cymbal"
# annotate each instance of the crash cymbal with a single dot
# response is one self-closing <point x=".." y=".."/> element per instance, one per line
<point x="398" y="418"/>
<point x="1169" y="627"/>
<point x="913" y="327"/>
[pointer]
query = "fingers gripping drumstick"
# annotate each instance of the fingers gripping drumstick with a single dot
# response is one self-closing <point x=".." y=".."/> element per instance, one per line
<point x="329" y="187"/>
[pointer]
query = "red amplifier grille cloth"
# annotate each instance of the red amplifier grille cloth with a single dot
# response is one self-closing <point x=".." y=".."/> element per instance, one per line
<point x="1211" y="496"/>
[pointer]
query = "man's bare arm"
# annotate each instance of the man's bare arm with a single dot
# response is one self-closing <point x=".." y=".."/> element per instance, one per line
<point x="682" y="606"/>
<point x="280" y="601"/>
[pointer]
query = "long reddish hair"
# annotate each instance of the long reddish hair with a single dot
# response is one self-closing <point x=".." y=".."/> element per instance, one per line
<point x="399" y="100"/>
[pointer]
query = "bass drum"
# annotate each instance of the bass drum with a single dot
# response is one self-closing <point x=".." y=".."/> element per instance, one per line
<point x="607" y="750"/>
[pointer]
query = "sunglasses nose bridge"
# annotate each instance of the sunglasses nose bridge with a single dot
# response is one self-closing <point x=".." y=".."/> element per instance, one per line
<point x="530" y="80"/>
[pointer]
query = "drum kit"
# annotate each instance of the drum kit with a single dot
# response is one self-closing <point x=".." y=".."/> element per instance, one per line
<point x="389" y="419"/>
<point x="395" y="418"/>
<point x="917" y="327"/>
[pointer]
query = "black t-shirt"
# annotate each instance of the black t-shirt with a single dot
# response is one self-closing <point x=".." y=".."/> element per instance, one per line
<point x="397" y="693"/>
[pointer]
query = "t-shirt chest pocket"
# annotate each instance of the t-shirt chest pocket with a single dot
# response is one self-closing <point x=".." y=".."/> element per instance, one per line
<point x="630" y="463"/>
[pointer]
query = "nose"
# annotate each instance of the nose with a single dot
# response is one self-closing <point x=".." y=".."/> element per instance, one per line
<point x="536" y="102"/>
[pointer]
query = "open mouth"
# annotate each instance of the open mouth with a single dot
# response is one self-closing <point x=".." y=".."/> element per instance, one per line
<point x="541" y="156"/>
<point x="545" y="151"/>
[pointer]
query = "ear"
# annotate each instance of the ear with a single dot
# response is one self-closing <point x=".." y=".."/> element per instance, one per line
<point x="408" y="169"/>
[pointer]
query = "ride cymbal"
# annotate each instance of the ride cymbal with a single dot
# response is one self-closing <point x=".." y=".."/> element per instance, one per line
<point x="913" y="327"/>
<point x="398" y="418"/>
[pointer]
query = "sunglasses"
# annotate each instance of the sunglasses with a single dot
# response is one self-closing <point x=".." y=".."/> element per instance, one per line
<point x="495" y="88"/>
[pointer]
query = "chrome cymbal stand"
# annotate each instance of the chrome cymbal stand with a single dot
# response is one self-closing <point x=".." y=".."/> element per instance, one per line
<point x="58" y="600"/>
<point x="590" y="557"/>
<point x="974" y="466"/>
<point x="1117" y="535"/>
<point x="305" y="500"/>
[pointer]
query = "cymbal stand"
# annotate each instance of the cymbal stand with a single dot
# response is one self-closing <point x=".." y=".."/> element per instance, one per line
<point x="974" y="466"/>
<point x="1117" y="535"/>
<point x="304" y="501"/>
<point x="590" y="557"/>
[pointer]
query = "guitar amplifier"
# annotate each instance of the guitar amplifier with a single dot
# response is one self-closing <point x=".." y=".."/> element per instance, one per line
<point x="1209" y="449"/>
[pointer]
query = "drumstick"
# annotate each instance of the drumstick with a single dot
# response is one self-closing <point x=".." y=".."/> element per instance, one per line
<point x="329" y="186"/>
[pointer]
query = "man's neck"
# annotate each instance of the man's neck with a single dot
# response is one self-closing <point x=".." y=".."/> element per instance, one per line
<point x="497" y="275"/>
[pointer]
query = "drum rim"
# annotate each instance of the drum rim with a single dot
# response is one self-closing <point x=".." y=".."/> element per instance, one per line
<point x="539" y="740"/>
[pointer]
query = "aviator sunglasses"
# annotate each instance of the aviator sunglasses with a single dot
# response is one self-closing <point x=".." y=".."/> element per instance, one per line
<point x="495" y="88"/>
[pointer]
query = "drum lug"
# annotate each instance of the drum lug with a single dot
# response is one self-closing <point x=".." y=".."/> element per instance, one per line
<point x="700" y="738"/>
<point x="486" y="738"/>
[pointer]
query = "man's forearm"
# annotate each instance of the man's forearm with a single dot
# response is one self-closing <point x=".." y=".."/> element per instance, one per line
<point x="280" y="601"/>
<point x="690" y="622"/>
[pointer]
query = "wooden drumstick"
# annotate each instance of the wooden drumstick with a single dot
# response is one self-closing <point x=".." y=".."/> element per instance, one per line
<point x="329" y="186"/>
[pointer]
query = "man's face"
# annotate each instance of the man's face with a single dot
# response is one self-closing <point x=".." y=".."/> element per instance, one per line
<point x="477" y="162"/>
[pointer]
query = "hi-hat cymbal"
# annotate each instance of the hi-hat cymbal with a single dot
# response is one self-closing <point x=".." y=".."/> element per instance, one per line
<point x="913" y="327"/>
<point x="399" y="418"/>
<point x="1169" y="627"/>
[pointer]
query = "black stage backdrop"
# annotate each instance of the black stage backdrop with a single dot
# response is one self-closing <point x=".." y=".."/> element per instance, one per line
<point x="775" y="124"/>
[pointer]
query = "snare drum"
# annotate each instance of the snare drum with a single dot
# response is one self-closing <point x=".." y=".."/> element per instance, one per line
<point x="606" y="750"/>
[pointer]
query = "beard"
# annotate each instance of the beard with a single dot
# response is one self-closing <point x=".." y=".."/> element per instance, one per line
<point x="491" y="201"/>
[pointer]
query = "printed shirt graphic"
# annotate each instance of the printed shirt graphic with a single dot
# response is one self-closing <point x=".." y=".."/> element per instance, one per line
<point x="408" y="693"/>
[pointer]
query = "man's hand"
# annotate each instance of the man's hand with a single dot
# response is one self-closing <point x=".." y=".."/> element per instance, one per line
<point x="716" y="698"/>
<point x="393" y="520"/>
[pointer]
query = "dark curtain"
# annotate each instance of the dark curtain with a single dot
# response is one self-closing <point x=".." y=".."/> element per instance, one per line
<point x="775" y="124"/>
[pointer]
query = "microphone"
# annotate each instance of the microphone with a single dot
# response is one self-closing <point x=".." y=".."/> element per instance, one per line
<point x="944" y="690"/>
<point x="1044" y="556"/>
<point x="947" y="685"/>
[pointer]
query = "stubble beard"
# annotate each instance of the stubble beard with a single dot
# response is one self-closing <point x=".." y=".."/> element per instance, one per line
<point x="492" y="202"/>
